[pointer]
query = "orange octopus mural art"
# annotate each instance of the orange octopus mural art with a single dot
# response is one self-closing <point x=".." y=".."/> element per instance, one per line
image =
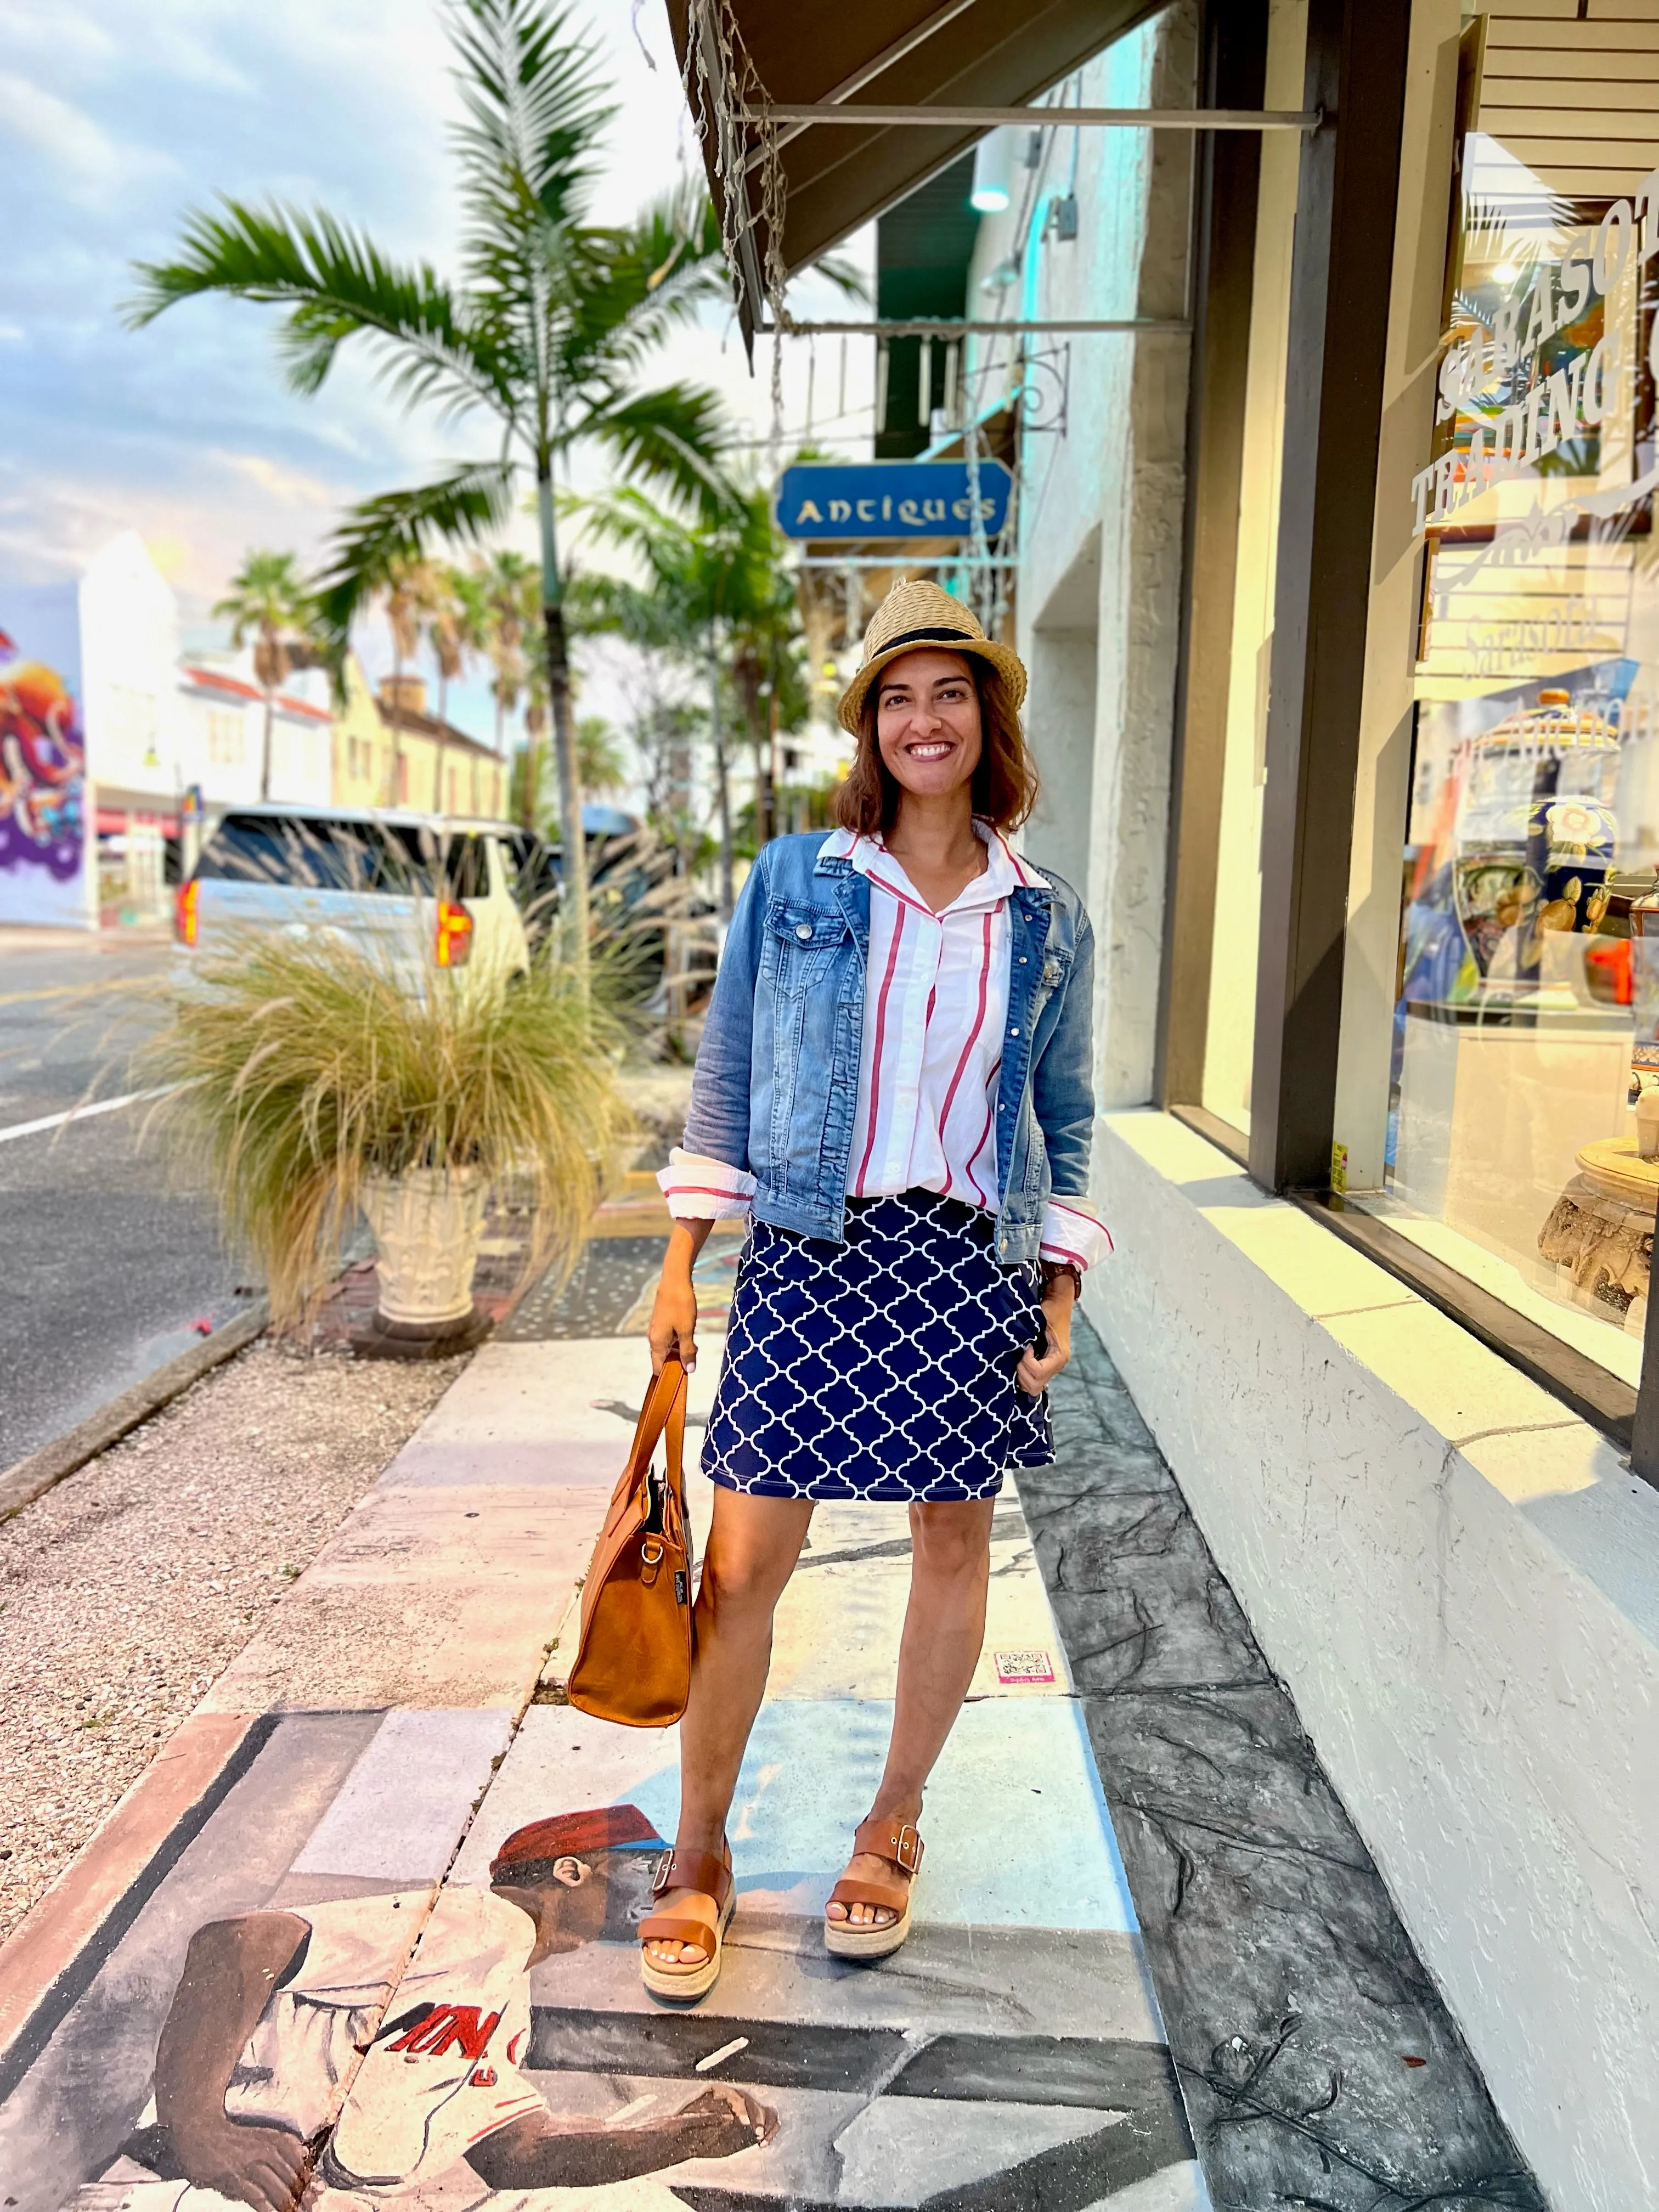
<point x="42" y="767"/>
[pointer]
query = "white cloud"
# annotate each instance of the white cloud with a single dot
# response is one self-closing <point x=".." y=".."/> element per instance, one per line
<point x="87" y="158"/>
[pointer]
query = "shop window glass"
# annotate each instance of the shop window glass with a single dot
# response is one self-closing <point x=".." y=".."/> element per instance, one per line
<point x="1524" y="1134"/>
<point x="1230" y="1028"/>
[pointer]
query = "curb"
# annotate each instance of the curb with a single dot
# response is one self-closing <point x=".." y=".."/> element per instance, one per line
<point x="31" y="1478"/>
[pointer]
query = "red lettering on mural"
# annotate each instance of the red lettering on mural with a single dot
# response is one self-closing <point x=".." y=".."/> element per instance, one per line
<point x="450" y="2027"/>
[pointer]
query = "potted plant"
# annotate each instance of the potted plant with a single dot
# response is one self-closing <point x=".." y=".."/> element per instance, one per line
<point x="314" y="1077"/>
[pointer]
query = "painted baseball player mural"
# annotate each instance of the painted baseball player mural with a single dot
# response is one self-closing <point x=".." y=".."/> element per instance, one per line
<point x="274" y="2008"/>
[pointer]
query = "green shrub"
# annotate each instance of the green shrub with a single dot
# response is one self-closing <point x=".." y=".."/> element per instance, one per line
<point x="302" y="1065"/>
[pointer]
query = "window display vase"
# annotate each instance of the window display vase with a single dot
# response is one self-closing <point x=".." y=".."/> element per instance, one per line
<point x="428" y="1225"/>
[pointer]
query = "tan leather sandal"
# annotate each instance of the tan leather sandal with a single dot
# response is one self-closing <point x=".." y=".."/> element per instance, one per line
<point x="701" y="1919"/>
<point x="899" y="1843"/>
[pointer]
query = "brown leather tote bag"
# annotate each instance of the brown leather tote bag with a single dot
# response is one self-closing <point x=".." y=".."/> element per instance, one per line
<point x="633" y="1661"/>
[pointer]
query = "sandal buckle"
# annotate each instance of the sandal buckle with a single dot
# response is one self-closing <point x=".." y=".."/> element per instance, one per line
<point x="661" y="1871"/>
<point x="907" y="1848"/>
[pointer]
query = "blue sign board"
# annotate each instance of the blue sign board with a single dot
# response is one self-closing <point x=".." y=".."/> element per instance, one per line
<point x="890" y="499"/>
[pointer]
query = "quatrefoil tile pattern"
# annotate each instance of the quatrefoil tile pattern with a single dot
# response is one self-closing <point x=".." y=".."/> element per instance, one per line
<point x="881" y="1367"/>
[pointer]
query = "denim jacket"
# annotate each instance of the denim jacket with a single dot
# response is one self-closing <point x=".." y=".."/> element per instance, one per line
<point x="776" y="1081"/>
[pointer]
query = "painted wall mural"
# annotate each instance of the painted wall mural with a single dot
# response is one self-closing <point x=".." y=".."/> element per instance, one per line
<point x="43" y="824"/>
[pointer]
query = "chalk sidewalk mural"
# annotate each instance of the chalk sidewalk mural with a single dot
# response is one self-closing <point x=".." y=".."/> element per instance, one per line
<point x="308" y="1979"/>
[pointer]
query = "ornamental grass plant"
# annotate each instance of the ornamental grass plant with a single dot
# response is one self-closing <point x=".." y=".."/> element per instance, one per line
<point x="299" y="1067"/>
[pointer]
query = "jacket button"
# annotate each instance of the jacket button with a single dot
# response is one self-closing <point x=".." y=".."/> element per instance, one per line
<point x="804" y="931"/>
<point x="1013" y="1032"/>
<point x="1022" y="960"/>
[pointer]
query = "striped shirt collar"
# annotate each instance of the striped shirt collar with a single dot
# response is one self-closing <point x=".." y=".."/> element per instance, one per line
<point x="1006" y="871"/>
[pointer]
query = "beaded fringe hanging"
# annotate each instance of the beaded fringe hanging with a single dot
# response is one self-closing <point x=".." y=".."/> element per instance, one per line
<point x="727" y="99"/>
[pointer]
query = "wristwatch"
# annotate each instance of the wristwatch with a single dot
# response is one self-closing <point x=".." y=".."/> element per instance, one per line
<point x="1051" y="1269"/>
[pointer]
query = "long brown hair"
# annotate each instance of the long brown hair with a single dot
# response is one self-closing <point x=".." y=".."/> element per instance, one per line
<point x="1005" y="786"/>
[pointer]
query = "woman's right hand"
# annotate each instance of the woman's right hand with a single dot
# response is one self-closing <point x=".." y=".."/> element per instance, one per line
<point x="673" y="1327"/>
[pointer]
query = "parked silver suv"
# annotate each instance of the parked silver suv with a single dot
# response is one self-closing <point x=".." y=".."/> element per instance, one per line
<point x="418" y="890"/>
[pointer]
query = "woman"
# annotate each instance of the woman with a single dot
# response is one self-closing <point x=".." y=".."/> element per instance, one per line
<point x="894" y="1084"/>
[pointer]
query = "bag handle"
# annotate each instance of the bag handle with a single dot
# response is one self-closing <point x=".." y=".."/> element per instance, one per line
<point x="663" y="1412"/>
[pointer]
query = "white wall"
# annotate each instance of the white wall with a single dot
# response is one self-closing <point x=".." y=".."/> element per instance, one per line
<point x="1459" y="1582"/>
<point x="129" y="657"/>
<point x="1101" y="518"/>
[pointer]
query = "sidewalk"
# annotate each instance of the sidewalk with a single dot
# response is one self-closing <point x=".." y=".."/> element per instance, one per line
<point x="333" y="1807"/>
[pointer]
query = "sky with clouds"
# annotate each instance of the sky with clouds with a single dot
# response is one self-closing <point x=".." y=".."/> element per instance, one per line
<point x="118" y="116"/>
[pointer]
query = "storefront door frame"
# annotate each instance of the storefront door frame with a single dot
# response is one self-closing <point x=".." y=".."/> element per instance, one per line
<point x="1347" y="193"/>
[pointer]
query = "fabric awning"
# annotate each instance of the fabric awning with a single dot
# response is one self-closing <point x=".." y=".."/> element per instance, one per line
<point x="990" y="54"/>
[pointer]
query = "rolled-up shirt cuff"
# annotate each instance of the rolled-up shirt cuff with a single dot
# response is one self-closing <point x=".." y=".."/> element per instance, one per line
<point x="1074" y="1234"/>
<point x="698" y="1189"/>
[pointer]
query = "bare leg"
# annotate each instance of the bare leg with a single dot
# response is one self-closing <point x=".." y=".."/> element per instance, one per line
<point x="753" y="1545"/>
<point x="944" y="1632"/>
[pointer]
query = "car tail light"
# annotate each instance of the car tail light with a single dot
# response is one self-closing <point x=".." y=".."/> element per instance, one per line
<point x="455" y="934"/>
<point x="184" y="913"/>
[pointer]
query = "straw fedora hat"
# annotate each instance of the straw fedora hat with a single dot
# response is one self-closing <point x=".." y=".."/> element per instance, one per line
<point x="919" y="614"/>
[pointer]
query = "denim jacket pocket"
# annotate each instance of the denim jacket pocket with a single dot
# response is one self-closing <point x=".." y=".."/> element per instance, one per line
<point x="801" y="944"/>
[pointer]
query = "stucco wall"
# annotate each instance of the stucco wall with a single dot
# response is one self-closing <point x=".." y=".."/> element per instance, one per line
<point x="1459" y="1582"/>
<point x="1101" y="520"/>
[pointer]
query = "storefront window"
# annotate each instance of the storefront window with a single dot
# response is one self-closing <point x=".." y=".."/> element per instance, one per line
<point x="1523" y="1133"/>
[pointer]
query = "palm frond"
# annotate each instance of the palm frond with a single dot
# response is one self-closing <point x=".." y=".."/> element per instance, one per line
<point x="639" y="281"/>
<point x="669" y="439"/>
<point x="536" y="105"/>
<point x="398" y="528"/>
<point x="336" y="284"/>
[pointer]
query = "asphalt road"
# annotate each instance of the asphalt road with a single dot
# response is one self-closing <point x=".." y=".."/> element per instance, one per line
<point x="107" y="1255"/>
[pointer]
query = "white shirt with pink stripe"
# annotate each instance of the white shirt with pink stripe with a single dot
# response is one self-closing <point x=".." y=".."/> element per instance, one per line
<point x="931" y="1056"/>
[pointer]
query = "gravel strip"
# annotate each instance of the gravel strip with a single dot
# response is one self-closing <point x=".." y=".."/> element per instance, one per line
<point x="126" y="1589"/>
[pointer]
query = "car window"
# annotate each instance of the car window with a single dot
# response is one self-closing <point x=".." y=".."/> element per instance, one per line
<point x="466" y="867"/>
<point x="303" y="852"/>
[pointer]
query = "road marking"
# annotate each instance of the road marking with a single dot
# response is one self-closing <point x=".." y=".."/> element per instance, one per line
<point x="82" y="1113"/>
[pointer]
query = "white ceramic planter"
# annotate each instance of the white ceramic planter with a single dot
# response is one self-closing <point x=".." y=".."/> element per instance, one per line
<point x="428" y="1226"/>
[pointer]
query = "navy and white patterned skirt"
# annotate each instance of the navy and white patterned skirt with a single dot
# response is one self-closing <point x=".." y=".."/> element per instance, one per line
<point x="881" y="1367"/>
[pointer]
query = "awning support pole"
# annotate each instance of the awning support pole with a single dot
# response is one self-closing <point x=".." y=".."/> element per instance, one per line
<point x="1143" y="326"/>
<point x="1041" y="119"/>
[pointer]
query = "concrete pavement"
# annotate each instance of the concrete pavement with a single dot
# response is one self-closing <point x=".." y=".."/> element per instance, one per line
<point x="352" y="1773"/>
<point x="291" y="1932"/>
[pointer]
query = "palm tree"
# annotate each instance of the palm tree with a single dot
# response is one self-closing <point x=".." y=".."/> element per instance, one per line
<point x="270" y="601"/>
<point x="405" y="590"/>
<point x="546" y="330"/>
<point x="508" y="584"/>
<point x="602" y="762"/>
<point x="703" y="582"/>
<point x="766" y="653"/>
<point x="456" y="618"/>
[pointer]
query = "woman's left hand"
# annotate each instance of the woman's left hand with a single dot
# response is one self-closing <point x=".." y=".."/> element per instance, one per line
<point x="1034" y="1375"/>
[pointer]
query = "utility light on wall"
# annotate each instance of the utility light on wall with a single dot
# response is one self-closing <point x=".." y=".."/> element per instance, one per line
<point x="991" y="192"/>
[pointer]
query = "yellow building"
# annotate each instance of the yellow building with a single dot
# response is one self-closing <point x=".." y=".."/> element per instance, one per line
<point x="389" y="751"/>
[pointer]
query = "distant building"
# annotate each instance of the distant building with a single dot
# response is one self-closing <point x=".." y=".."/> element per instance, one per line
<point x="223" y="729"/>
<point x="390" y="751"/>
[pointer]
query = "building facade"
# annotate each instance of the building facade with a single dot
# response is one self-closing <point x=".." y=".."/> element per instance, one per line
<point x="1333" y="573"/>
<point x="390" y="751"/>
<point x="1341" y="629"/>
<point x="113" y="746"/>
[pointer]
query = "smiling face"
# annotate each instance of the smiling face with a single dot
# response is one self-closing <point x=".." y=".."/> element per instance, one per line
<point x="927" y="722"/>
